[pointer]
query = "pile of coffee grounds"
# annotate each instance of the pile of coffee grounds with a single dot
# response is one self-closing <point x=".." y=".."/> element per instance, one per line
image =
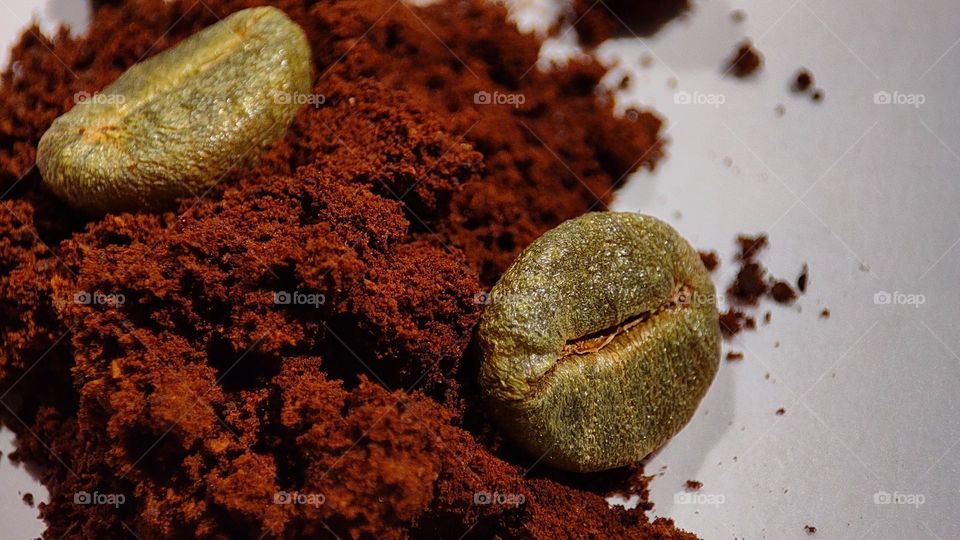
<point x="745" y="61"/>
<point x="218" y="411"/>
<point x="693" y="485"/>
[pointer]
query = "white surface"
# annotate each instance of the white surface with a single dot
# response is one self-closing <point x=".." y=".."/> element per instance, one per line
<point x="871" y="394"/>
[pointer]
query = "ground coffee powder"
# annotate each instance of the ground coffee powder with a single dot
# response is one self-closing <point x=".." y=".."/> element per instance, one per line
<point x="288" y="355"/>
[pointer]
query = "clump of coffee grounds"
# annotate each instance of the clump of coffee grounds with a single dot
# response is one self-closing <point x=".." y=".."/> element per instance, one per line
<point x="752" y="283"/>
<point x="28" y="499"/>
<point x="734" y="356"/>
<point x="745" y="62"/>
<point x="693" y="485"/>
<point x="596" y="22"/>
<point x="200" y="398"/>
<point x="710" y="260"/>
<point x="733" y="321"/>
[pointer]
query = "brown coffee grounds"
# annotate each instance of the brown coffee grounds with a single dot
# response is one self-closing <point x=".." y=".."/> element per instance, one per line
<point x="710" y="260"/>
<point x="733" y="321"/>
<point x="28" y="499"/>
<point x="780" y="110"/>
<point x="749" y="284"/>
<point x="745" y="62"/>
<point x="782" y="292"/>
<point x="810" y="529"/>
<point x="802" y="81"/>
<point x="734" y="356"/>
<point x="596" y="22"/>
<point x="781" y="411"/>
<point x="751" y="246"/>
<point x="803" y="278"/>
<point x="817" y="95"/>
<point x="693" y="485"/>
<point x="766" y="317"/>
<point x="738" y="16"/>
<point x="200" y="397"/>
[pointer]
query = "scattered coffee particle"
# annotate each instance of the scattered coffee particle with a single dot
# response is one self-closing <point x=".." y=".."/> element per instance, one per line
<point x="782" y="292"/>
<point x="817" y="95"/>
<point x="751" y="246"/>
<point x="646" y="60"/>
<point x="734" y="356"/>
<point x="802" y="81"/>
<point x="781" y="411"/>
<point x="694" y="485"/>
<point x="780" y="110"/>
<point x="802" y="279"/>
<point x="745" y="62"/>
<point x="625" y="82"/>
<point x="749" y="284"/>
<point x="825" y="314"/>
<point x="728" y="162"/>
<point x="672" y="82"/>
<point x="810" y="529"/>
<point x="710" y="260"/>
<point x="766" y="317"/>
<point x="733" y="321"/>
<point x="28" y="499"/>
<point x="738" y="16"/>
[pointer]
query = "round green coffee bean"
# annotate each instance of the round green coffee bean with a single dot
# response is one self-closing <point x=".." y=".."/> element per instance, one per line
<point x="175" y="124"/>
<point x="599" y="341"/>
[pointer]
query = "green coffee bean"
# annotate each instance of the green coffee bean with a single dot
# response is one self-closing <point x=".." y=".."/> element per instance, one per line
<point x="173" y="125"/>
<point x="599" y="342"/>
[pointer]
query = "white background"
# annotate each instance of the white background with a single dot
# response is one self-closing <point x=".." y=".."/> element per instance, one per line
<point x="866" y="194"/>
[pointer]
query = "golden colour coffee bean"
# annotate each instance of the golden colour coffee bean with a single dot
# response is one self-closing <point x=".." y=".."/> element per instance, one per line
<point x="600" y="340"/>
<point x="173" y="125"/>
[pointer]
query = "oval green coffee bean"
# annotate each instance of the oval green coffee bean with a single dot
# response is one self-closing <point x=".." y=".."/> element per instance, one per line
<point x="599" y="341"/>
<point x="173" y="125"/>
